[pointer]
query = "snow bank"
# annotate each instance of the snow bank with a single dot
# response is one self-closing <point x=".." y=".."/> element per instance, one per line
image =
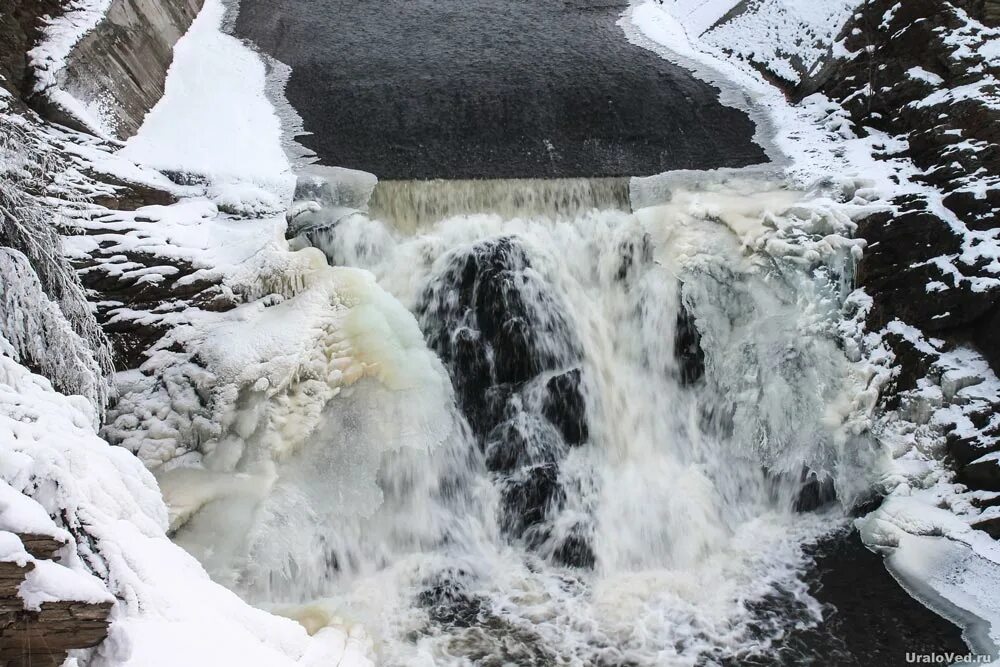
<point x="168" y="611"/>
<point x="215" y="121"/>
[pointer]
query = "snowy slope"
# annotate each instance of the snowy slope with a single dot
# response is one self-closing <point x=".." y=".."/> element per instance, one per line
<point x="214" y="120"/>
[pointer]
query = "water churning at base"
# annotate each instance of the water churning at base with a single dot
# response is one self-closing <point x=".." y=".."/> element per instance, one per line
<point x="644" y="409"/>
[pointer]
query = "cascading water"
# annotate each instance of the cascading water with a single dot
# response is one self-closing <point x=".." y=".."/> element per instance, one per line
<point x="639" y="404"/>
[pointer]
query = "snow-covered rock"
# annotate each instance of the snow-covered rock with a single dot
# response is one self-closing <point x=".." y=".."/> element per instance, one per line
<point x="57" y="466"/>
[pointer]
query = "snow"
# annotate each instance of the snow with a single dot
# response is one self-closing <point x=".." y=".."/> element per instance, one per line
<point x="920" y="74"/>
<point x="697" y="16"/>
<point x="20" y="514"/>
<point x="51" y="452"/>
<point x="51" y="582"/>
<point x="789" y="37"/>
<point x="214" y="119"/>
<point x="59" y="37"/>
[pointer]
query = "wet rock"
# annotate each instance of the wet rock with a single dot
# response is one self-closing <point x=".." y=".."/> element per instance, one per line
<point x="817" y="490"/>
<point x="447" y="601"/>
<point x="575" y="551"/>
<point x="633" y="254"/>
<point x="520" y="442"/>
<point x="514" y="362"/>
<point x="564" y="406"/>
<point x="528" y="496"/>
<point x="687" y="349"/>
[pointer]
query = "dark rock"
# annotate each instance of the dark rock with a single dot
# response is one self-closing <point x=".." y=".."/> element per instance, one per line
<point x="817" y="490"/>
<point x="983" y="476"/>
<point x="989" y="526"/>
<point x="528" y="495"/>
<point x="500" y="332"/>
<point x="984" y="336"/>
<point x="575" y="551"/>
<point x="448" y="602"/>
<point x="632" y="256"/>
<point x="21" y="22"/>
<point x="912" y="364"/>
<point x="565" y="407"/>
<point x="521" y="442"/>
<point x="866" y="504"/>
<point x="687" y="349"/>
<point x="965" y="450"/>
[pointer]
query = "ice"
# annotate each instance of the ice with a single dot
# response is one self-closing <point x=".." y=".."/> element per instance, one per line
<point x="114" y="510"/>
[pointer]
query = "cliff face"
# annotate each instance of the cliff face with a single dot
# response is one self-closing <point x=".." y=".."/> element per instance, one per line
<point x="111" y="76"/>
<point x="924" y="74"/>
<point x="20" y="26"/>
<point x="923" y="71"/>
<point x="120" y="67"/>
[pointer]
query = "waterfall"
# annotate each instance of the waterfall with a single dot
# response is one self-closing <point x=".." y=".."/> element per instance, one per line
<point x="410" y="205"/>
<point x="645" y="415"/>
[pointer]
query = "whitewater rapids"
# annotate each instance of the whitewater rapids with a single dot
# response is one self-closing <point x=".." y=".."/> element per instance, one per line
<point x="627" y="408"/>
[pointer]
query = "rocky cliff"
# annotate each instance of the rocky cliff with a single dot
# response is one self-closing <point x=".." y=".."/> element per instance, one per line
<point x="925" y="74"/>
<point x="101" y="78"/>
<point x="119" y="68"/>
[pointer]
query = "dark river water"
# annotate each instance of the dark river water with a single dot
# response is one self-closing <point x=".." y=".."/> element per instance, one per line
<point x="491" y="89"/>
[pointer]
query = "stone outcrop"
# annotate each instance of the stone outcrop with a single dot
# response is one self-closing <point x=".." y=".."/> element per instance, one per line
<point x="919" y="71"/>
<point x="20" y="26"/>
<point x="514" y="362"/>
<point x="121" y="66"/>
<point x="42" y="637"/>
<point x="912" y="73"/>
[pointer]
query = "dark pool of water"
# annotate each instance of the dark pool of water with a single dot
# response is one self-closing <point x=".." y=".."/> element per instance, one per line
<point x="491" y="89"/>
<point x="868" y="619"/>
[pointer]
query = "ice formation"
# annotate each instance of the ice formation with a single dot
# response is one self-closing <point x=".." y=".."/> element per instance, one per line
<point x="344" y="479"/>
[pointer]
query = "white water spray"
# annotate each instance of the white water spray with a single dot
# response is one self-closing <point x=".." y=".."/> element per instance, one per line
<point x="645" y="532"/>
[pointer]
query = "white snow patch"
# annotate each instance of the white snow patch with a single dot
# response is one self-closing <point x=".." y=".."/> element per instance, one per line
<point x="214" y="119"/>
<point x="920" y="74"/>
